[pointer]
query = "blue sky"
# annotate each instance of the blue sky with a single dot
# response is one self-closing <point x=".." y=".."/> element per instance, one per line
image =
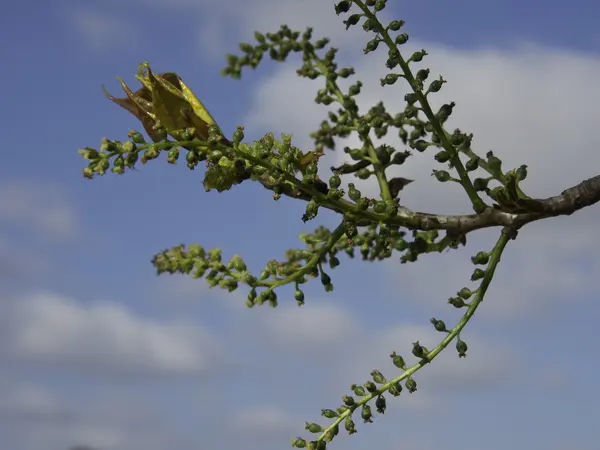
<point x="97" y="350"/>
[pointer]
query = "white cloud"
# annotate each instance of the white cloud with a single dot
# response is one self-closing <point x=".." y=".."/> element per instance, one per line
<point x="105" y="338"/>
<point x="313" y="327"/>
<point x="265" y="419"/>
<point x="101" y="29"/>
<point x="41" y="206"/>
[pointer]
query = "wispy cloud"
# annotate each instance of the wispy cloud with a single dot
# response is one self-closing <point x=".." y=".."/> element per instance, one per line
<point x="102" y="30"/>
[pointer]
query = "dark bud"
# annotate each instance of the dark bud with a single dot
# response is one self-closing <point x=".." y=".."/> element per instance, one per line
<point x="445" y="111"/>
<point x="422" y="74"/>
<point x="457" y="302"/>
<point x="366" y="414"/>
<point x="370" y="386"/>
<point x="380" y="404"/>
<point x="419" y="351"/>
<point x="472" y="164"/>
<point x="442" y="156"/>
<point x="350" y="168"/>
<point x="352" y="20"/>
<point x="348" y="401"/>
<point x="400" y="158"/>
<point x="397" y="184"/>
<point x="461" y="348"/>
<point x="480" y="184"/>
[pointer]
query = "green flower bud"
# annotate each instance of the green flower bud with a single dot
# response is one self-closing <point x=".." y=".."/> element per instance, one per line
<point x="389" y="79"/>
<point x="173" y="155"/>
<point x="298" y="442"/>
<point x="477" y="274"/>
<point x="439" y="325"/>
<point x="441" y="175"/>
<point x="465" y="293"/>
<point x="480" y="184"/>
<point x="136" y="137"/>
<point x="411" y="385"/>
<point x="346" y="72"/>
<point x="379" y="5"/>
<point x="442" y="156"/>
<point x="457" y="302"/>
<point x="366" y="414"/>
<point x="313" y="428"/>
<point x="461" y="348"/>
<point x="358" y="390"/>
<point x="380" y="404"/>
<point x="522" y="172"/>
<point x="378" y="377"/>
<point x="343" y="7"/>
<point x="395" y="389"/>
<point x="401" y="39"/>
<point x="480" y="258"/>
<point x="420" y="145"/>
<point x="352" y="20"/>
<point x="422" y="74"/>
<point x="342" y="409"/>
<point x="419" y="351"/>
<point x="371" y="46"/>
<point x="273" y="299"/>
<point x="330" y="414"/>
<point x="399" y="158"/>
<point x="348" y="401"/>
<point x="395" y="25"/>
<point x="418" y="56"/>
<point x="398" y="361"/>
<point x="299" y="295"/>
<point x="335" y="182"/>
<point x="311" y="211"/>
<point x="494" y="163"/>
<point x="436" y="85"/>
<point x="472" y="164"/>
<point x="353" y="193"/>
<point x="380" y="207"/>
<point x="349" y="425"/>
<point x="370" y="386"/>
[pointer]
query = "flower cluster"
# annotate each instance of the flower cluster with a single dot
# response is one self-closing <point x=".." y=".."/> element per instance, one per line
<point x="178" y="123"/>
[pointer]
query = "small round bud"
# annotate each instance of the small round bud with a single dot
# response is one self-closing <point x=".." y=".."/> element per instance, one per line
<point x="398" y="361"/>
<point x="439" y="325"/>
<point x="328" y="413"/>
<point x="477" y="274"/>
<point x="411" y="385"/>
<point x="366" y="414"/>
<point x="380" y="404"/>
<point x="461" y="348"/>
<point x="358" y="390"/>
<point x="480" y="258"/>
<point x="395" y="25"/>
<point x="401" y="39"/>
